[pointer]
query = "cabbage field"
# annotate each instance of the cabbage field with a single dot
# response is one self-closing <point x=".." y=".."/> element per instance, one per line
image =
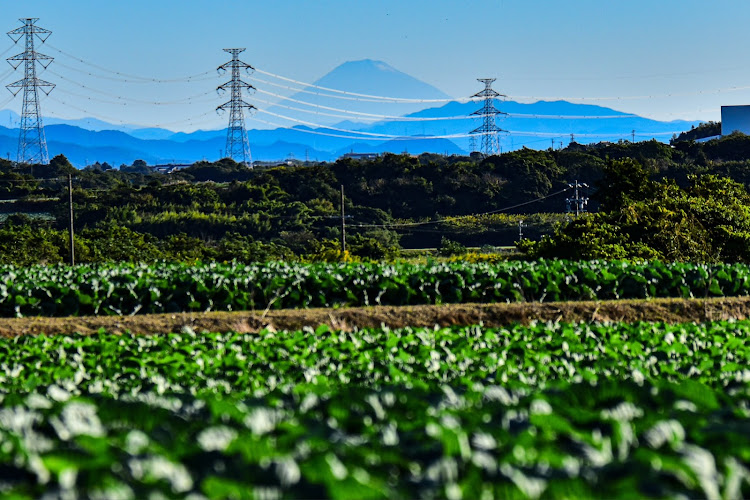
<point x="124" y="289"/>
<point x="541" y="411"/>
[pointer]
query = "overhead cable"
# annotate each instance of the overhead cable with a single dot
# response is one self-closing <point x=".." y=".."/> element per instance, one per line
<point x="127" y="75"/>
<point x="122" y="98"/>
<point x="458" y="217"/>
<point x="184" y="121"/>
<point x="355" y="94"/>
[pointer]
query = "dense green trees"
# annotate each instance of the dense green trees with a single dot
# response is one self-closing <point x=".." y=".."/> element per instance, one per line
<point x="707" y="221"/>
<point x="651" y="200"/>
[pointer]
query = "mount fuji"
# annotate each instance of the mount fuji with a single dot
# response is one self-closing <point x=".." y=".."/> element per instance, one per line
<point x="321" y="124"/>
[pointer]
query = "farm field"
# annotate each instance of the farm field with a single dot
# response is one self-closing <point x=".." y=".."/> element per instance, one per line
<point x="554" y="395"/>
<point x="127" y="289"/>
<point x="546" y="410"/>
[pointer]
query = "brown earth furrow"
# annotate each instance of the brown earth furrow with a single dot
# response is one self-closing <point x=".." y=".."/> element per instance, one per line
<point x="667" y="310"/>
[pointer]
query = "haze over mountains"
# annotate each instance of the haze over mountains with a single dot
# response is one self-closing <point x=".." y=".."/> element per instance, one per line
<point x="319" y="128"/>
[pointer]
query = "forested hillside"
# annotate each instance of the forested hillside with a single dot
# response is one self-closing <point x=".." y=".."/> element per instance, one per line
<point x="224" y="211"/>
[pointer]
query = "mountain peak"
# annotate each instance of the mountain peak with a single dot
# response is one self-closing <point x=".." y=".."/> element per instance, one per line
<point x="379" y="78"/>
<point x="367" y="64"/>
<point x="364" y="77"/>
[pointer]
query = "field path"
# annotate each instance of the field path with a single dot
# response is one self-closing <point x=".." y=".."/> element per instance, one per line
<point x="667" y="310"/>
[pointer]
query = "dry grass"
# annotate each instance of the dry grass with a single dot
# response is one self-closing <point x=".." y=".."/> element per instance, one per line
<point x="667" y="310"/>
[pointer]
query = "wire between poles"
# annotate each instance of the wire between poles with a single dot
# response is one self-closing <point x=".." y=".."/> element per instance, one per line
<point x="456" y="217"/>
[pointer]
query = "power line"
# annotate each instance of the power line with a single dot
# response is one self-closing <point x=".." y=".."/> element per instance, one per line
<point x="375" y="136"/>
<point x="128" y="80"/>
<point x="469" y="98"/>
<point x="377" y="117"/>
<point x="632" y="97"/>
<point x="144" y="79"/>
<point x="185" y="121"/>
<point x="458" y="217"/>
<point x="6" y="50"/>
<point x="368" y="96"/>
<point x="133" y="102"/>
<point x="187" y="99"/>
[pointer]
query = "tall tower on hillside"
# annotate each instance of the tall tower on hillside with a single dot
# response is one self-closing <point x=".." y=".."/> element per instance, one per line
<point x="237" y="147"/>
<point x="489" y="129"/>
<point x="32" y="144"/>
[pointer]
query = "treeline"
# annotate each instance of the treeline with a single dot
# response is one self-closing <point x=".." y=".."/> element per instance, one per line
<point x="225" y="211"/>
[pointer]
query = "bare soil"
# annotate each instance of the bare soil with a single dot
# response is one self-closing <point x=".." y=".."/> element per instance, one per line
<point x="666" y="310"/>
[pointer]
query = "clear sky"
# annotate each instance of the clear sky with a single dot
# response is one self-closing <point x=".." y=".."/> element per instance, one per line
<point x="687" y="57"/>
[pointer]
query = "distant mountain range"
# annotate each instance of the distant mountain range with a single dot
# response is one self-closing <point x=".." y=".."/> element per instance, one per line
<point x="324" y="137"/>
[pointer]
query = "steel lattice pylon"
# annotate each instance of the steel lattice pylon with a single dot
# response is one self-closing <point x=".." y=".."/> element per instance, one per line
<point x="32" y="145"/>
<point x="238" y="147"/>
<point x="488" y="130"/>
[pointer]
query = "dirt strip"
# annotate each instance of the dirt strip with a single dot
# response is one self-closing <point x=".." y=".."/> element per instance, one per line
<point x="667" y="310"/>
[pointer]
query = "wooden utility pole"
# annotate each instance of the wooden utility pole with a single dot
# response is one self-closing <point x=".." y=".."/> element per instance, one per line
<point x="343" y="222"/>
<point x="70" y="206"/>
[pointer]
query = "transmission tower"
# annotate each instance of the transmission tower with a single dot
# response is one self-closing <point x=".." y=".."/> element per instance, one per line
<point x="237" y="146"/>
<point x="32" y="145"/>
<point x="488" y="130"/>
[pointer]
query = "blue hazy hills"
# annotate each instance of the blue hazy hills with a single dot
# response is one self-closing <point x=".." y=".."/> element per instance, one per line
<point x="319" y="131"/>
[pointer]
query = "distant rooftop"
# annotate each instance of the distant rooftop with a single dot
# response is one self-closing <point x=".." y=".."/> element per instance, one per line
<point x="361" y="156"/>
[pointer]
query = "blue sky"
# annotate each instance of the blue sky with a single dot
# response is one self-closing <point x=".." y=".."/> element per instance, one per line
<point x="679" y="58"/>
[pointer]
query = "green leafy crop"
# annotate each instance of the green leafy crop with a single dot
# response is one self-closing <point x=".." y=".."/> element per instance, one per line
<point x="549" y="410"/>
<point x="168" y="287"/>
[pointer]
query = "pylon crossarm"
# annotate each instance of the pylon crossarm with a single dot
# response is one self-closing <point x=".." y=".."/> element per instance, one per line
<point x="232" y="84"/>
<point x="11" y="60"/>
<point x="235" y="64"/>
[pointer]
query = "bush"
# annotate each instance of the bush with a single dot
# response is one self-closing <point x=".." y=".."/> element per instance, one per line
<point x="449" y="247"/>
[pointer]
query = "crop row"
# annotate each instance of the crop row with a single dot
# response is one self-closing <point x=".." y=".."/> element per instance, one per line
<point x="713" y="354"/>
<point x="554" y="410"/>
<point x="615" y="440"/>
<point x="168" y="287"/>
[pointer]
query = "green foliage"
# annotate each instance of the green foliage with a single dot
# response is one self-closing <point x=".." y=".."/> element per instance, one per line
<point x="708" y="129"/>
<point x="244" y="249"/>
<point x="624" y="182"/>
<point x="559" y="410"/>
<point x="27" y="245"/>
<point x="449" y="247"/>
<point x="372" y="248"/>
<point x="294" y="206"/>
<point x="172" y="287"/>
<point x="531" y="173"/>
<point x="120" y="244"/>
<point x="183" y="248"/>
<point x="61" y="166"/>
<point x="709" y="221"/>
<point x="224" y="170"/>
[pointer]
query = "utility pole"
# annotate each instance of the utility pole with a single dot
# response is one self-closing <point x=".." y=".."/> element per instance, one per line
<point x="521" y="225"/>
<point x="633" y="134"/>
<point x="579" y="202"/>
<point x="32" y="144"/>
<point x="343" y="223"/>
<point x="238" y="147"/>
<point x="70" y="206"/>
<point x="489" y="129"/>
<point x="572" y="138"/>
